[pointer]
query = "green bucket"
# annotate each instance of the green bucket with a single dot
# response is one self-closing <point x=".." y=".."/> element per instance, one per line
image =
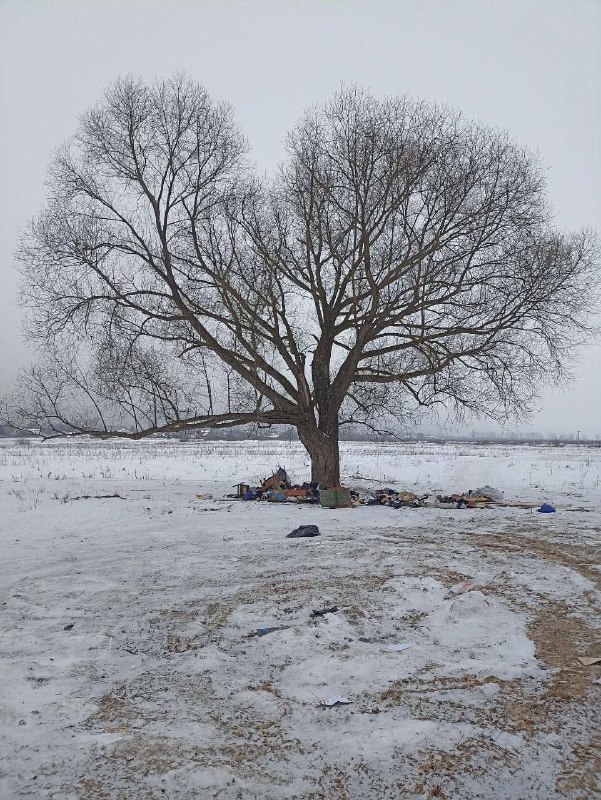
<point x="340" y="497"/>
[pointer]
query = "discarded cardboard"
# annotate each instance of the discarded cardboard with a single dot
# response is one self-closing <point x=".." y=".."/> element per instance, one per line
<point x="295" y="492"/>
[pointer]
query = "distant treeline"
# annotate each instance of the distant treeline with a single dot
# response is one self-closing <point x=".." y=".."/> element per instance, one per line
<point x="289" y="434"/>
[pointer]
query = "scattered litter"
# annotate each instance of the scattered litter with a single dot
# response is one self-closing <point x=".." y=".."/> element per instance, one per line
<point x="337" y="700"/>
<point x="546" y="508"/>
<point x="323" y="611"/>
<point x="69" y="627"/>
<point x="304" y="531"/>
<point x="398" y="648"/>
<point x="588" y="661"/>
<point x="277" y="488"/>
<point x="265" y="631"/>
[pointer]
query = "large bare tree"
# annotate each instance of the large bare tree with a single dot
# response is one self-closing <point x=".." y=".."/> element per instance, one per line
<point x="401" y="257"/>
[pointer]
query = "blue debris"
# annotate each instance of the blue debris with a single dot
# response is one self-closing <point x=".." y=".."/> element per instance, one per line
<point x="546" y="509"/>
<point x="276" y="496"/>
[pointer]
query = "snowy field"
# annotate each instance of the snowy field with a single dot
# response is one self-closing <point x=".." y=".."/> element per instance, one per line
<point x="128" y="671"/>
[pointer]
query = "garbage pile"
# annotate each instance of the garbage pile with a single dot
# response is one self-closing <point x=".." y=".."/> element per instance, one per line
<point x="474" y="498"/>
<point x="278" y="489"/>
<point x="394" y="499"/>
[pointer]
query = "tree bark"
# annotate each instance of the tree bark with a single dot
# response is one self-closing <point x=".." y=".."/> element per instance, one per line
<point x="322" y="445"/>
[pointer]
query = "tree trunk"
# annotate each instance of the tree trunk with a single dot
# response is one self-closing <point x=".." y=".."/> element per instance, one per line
<point x="322" y="446"/>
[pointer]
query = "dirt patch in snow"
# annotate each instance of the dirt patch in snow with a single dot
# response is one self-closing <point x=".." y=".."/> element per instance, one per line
<point x="579" y="557"/>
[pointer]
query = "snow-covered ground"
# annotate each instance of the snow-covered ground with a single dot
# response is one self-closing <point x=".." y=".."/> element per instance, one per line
<point x="129" y="672"/>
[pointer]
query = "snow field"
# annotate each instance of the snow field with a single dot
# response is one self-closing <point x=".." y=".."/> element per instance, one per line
<point x="158" y="690"/>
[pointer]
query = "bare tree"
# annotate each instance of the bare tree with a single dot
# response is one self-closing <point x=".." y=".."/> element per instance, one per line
<point x="400" y="258"/>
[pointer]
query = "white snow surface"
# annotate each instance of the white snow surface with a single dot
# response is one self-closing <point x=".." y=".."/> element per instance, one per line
<point x="159" y="689"/>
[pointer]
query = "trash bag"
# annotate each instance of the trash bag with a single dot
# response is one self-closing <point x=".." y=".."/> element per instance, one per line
<point x="282" y="475"/>
<point x="546" y="509"/>
<point x="304" y="531"/>
<point x="496" y="495"/>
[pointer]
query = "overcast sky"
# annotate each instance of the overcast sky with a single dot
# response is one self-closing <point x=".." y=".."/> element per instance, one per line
<point x="532" y="67"/>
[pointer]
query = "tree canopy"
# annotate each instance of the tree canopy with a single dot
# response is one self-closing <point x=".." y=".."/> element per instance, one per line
<point x="400" y="257"/>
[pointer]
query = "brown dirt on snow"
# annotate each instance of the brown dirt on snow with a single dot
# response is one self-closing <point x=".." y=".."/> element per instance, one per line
<point x="578" y="557"/>
<point x="559" y="637"/>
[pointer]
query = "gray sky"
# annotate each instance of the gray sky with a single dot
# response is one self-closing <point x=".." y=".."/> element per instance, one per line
<point x="532" y="67"/>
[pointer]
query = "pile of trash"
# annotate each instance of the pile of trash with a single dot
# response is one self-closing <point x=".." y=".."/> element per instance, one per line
<point x="278" y="489"/>
<point x="392" y="498"/>
<point x="474" y="498"/>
